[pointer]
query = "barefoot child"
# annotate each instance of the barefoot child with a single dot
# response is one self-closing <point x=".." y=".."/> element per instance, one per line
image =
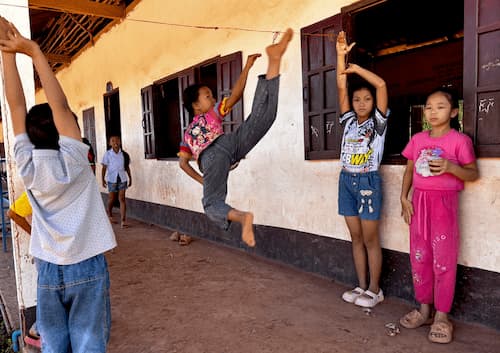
<point x="117" y="177"/>
<point x="216" y="152"/>
<point x="360" y="184"/>
<point x="439" y="161"/>
<point x="70" y="231"/>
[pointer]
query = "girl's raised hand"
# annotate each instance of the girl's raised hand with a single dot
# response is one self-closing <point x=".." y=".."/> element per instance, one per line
<point x="16" y="43"/>
<point x="4" y="28"/>
<point x="406" y="210"/>
<point x="251" y="59"/>
<point x="342" y="47"/>
<point x="351" y="68"/>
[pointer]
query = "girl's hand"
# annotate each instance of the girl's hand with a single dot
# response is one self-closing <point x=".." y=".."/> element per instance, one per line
<point x="406" y="210"/>
<point x="342" y="47"/>
<point x="251" y="59"/>
<point x="351" y="69"/>
<point x="4" y="28"/>
<point x="440" y="166"/>
<point x="16" y="43"/>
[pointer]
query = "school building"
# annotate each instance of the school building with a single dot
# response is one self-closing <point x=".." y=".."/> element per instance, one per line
<point x="128" y="81"/>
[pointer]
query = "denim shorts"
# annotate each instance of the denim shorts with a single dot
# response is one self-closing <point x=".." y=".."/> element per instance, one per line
<point x="73" y="307"/>
<point x="115" y="187"/>
<point x="360" y="194"/>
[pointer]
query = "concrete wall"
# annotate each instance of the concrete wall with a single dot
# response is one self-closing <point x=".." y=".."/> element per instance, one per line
<point x="292" y="193"/>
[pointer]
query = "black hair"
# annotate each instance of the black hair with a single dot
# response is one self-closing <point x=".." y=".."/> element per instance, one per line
<point x="357" y="84"/>
<point x="452" y="96"/>
<point x="41" y="128"/>
<point x="190" y="96"/>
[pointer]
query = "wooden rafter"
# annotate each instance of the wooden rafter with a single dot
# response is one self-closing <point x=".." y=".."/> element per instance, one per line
<point x="81" y="7"/>
<point x="60" y="59"/>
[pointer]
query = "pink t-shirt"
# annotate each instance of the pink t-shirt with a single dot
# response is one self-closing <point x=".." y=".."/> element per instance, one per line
<point x="204" y="129"/>
<point x="453" y="146"/>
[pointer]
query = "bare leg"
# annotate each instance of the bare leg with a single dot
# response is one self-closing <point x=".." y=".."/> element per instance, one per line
<point x="372" y="243"/>
<point x="123" y="208"/>
<point x="246" y="221"/>
<point x="358" y="249"/>
<point x="111" y="202"/>
<point x="275" y="52"/>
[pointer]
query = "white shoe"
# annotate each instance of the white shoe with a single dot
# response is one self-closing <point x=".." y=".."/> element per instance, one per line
<point x="369" y="299"/>
<point x="351" y="295"/>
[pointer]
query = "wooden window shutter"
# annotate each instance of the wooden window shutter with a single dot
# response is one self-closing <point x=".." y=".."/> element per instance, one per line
<point x="228" y="72"/>
<point x="89" y="128"/>
<point x="322" y="130"/>
<point x="148" y="123"/>
<point x="185" y="78"/>
<point x="482" y="75"/>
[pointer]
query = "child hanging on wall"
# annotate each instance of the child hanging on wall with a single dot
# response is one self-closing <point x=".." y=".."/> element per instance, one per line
<point x="364" y="115"/>
<point x="439" y="161"/>
<point x="215" y="152"/>
<point x="70" y="231"/>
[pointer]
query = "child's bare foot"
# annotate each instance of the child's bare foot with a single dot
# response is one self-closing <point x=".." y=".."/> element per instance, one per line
<point x="275" y="51"/>
<point x="247" y="229"/>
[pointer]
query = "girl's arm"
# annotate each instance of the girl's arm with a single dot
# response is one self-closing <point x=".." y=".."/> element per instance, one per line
<point x="20" y="221"/>
<point x="186" y="167"/>
<point x="12" y="82"/>
<point x="342" y="50"/>
<point x="129" y="176"/>
<point x="467" y="172"/>
<point x="103" y="175"/>
<point x="63" y="116"/>
<point x="14" y="93"/>
<point x="376" y="81"/>
<point x="239" y="86"/>
<point x="406" y="205"/>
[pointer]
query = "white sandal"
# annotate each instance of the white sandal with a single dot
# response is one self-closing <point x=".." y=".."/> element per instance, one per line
<point x="369" y="299"/>
<point x="351" y="295"/>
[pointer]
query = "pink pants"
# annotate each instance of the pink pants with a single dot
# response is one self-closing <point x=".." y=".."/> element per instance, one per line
<point x="434" y="243"/>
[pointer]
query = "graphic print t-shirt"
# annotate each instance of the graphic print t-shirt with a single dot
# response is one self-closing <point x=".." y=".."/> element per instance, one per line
<point x="362" y="144"/>
<point x="422" y="148"/>
<point x="204" y="129"/>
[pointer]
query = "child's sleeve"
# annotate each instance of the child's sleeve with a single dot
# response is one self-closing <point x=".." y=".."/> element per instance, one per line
<point x="408" y="150"/>
<point x="184" y="151"/>
<point x="347" y="115"/>
<point x="221" y="108"/>
<point x="23" y="154"/>
<point x="466" y="151"/>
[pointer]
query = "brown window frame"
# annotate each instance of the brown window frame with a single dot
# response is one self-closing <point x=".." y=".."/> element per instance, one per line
<point x="158" y="135"/>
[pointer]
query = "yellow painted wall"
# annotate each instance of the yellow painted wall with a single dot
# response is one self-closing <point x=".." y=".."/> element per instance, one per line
<point x="292" y="193"/>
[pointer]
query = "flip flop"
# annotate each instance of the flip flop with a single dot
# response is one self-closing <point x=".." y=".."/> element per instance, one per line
<point x="441" y="332"/>
<point x="414" y="319"/>
<point x="185" y="239"/>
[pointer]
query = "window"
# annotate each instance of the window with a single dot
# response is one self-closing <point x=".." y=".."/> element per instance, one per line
<point x="415" y="51"/>
<point x="164" y="118"/>
<point x="89" y="128"/>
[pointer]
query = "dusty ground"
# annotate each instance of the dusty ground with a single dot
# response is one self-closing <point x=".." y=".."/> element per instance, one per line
<point x="208" y="298"/>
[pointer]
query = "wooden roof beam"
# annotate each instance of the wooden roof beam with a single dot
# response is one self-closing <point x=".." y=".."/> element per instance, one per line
<point x="62" y="59"/>
<point x="80" y="7"/>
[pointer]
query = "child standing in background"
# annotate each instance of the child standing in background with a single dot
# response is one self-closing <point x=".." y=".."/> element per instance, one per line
<point x="360" y="185"/>
<point x="117" y="177"/>
<point x="70" y="231"/>
<point x="439" y="161"/>
<point x="215" y="151"/>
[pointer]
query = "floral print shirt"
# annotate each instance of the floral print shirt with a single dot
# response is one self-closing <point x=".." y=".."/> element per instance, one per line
<point x="203" y="130"/>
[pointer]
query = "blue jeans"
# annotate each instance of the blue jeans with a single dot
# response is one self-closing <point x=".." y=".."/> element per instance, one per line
<point x="73" y="309"/>
<point x="360" y="194"/>
<point x="217" y="159"/>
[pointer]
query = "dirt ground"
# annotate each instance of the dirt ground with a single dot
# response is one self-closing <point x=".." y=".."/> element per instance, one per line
<point x="207" y="298"/>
